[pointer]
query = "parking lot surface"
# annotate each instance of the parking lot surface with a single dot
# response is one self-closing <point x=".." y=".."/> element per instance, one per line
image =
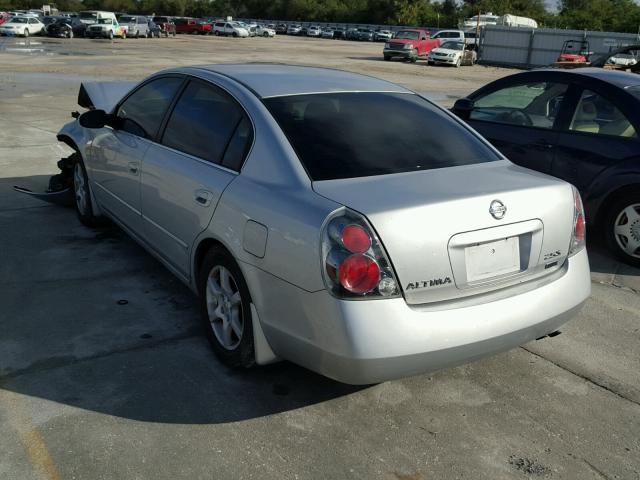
<point x="105" y="373"/>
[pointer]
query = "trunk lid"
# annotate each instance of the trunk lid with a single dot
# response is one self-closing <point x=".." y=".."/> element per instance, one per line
<point x="442" y="239"/>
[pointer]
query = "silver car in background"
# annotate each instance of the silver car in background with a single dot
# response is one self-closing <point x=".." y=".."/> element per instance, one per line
<point x="362" y="250"/>
<point x="137" y="26"/>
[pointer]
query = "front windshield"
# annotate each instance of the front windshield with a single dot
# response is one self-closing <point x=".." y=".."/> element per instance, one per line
<point x="407" y="35"/>
<point x="63" y="21"/>
<point x="105" y="21"/>
<point x="452" y="45"/>
<point x="88" y="15"/>
<point x="127" y="20"/>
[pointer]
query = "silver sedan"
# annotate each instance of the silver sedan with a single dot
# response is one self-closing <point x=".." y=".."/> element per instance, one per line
<point x="360" y="249"/>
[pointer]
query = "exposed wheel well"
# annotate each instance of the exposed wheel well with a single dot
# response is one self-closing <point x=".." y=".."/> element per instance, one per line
<point x="67" y="140"/>
<point x="203" y="247"/>
<point x="613" y="197"/>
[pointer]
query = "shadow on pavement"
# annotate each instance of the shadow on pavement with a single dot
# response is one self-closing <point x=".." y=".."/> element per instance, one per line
<point x="91" y="320"/>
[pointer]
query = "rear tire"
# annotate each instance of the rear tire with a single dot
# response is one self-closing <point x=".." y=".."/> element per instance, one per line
<point x="387" y="58"/>
<point x="82" y="194"/>
<point x="26" y="33"/>
<point x="70" y="34"/>
<point x="225" y="308"/>
<point x="622" y="229"/>
<point x="265" y="34"/>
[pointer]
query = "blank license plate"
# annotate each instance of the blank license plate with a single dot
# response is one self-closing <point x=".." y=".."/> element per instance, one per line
<point x="492" y="259"/>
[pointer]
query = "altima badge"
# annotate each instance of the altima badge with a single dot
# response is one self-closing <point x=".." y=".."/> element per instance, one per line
<point x="497" y="209"/>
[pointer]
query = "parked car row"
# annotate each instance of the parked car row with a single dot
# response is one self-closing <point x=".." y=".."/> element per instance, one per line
<point x="90" y="24"/>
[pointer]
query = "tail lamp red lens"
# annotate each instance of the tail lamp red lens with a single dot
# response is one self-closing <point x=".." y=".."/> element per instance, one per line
<point x="355" y="264"/>
<point x="359" y="274"/>
<point x="355" y="239"/>
<point x="579" y="224"/>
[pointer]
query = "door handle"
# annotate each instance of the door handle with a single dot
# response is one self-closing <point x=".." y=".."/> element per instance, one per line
<point x="133" y="168"/>
<point x="542" y="144"/>
<point x="203" y="197"/>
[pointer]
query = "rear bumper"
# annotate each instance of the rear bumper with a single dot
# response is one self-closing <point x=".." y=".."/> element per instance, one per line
<point x="363" y="342"/>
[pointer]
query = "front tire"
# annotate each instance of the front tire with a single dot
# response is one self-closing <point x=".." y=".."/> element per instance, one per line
<point x="622" y="229"/>
<point x="225" y="309"/>
<point x="82" y="195"/>
<point x="110" y="36"/>
<point x="26" y="33"/>
<point x="387" y="58"/>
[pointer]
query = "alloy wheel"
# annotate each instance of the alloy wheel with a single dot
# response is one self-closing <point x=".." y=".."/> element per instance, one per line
<point x="79" y="189"/>
<point x="627" y="230"/>
<point x="224" y="307"/>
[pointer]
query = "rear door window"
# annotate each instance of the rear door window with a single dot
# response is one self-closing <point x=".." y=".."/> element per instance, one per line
<point x="346" y="135"/>
<point x="596" y="115"/>
<point x="203" y="122"/>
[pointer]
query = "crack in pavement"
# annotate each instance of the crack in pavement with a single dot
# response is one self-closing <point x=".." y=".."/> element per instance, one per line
<point x="584" y="377"/>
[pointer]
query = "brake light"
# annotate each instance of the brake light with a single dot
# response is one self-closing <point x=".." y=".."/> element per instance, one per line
<point x="578" y="238"/>
<point x="355" y="264"/>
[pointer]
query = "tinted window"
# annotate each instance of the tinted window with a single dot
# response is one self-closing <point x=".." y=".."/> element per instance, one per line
<point x="239" y="145"/>
<point x="531" y="104"/>
<point x="202" y="122"/>
<point x="345" y="135"/>
<point x="595" y="114"/>
<point x="144" y="110"/>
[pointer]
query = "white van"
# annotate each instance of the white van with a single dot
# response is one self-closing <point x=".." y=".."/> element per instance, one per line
<point x="92" y="16"/>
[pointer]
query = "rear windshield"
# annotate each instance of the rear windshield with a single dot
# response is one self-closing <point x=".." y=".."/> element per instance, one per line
<point x="347" y="135"/>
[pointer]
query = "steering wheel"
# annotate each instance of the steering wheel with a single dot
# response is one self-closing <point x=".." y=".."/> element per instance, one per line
<point x="519" y="117"/>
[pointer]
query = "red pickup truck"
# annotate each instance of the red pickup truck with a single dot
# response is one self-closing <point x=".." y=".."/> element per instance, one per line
<point x="410" y="44"/>
<point x="190" y="25"/>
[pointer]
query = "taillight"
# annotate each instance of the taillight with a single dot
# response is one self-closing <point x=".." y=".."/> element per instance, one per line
<point x="578" y="238"/>
<point x="354" y="263"/>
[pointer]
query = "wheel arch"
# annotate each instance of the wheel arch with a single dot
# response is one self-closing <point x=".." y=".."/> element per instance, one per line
<point x="613" y="196"/>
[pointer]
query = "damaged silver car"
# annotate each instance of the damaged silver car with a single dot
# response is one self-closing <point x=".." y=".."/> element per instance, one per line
<point x="362" y="250"/>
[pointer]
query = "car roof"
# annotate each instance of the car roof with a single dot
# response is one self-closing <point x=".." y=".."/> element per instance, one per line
<point x="614" y="77"/>
<point x="275" y="80"/>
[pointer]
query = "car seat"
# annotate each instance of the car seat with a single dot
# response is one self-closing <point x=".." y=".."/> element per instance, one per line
<point x="584" y="119"/>
<point x="619" y="126"/>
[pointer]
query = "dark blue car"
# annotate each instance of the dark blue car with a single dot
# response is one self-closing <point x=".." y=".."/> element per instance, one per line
<point x="580" y="125"/>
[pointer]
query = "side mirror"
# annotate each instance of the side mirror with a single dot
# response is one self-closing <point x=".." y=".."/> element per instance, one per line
<point x="94" y="119"/>
<point x="463" y="108"/>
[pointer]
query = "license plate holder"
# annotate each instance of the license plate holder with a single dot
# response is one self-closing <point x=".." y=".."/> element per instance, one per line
<point x="492" y="259"/>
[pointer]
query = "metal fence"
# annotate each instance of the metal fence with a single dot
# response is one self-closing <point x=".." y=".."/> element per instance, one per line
<point x="527" y="48"/>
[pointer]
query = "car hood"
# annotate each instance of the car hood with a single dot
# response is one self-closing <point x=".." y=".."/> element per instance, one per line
<point x="401" y="40"/>
<point x="446" y="50"/>
<point x="427" y="220"/>
<point x="103" y="95"/>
